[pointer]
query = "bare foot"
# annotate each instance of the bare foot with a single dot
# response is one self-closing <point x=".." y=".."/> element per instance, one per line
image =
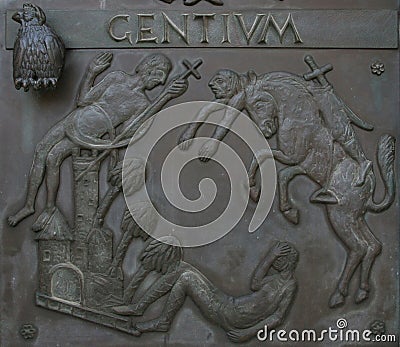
<point x="134" y="332"/>
<point x="128" y="310"/>
<point x="152" y="325"/>
<point x="20" y="215"/>
<point x="42" y="220"/>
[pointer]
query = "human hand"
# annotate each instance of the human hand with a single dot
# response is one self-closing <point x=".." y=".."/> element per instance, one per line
<point x="101" y="62"/>
<point x="177" y="87"/>
<point x="208" y="150"/>
<point x="280" y="249"/>
<point x="185" y="140"/>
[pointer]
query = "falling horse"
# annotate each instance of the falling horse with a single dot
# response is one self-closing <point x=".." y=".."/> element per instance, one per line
<point x="315" y="137"/>
<point x="306" y="144"/>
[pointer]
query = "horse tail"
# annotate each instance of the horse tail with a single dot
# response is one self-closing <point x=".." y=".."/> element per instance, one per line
<point x="386" y="154"/>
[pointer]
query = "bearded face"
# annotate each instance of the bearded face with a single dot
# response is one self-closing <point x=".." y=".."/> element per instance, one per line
<point x="154" y="70"/>
<point x="154" y="77"/>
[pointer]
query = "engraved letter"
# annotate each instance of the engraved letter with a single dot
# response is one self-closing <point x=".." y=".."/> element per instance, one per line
<point x="205" y="18"/>
<point x="226" y="38"/>
<point x="249" y="33"/>
<point x="143" y="30"/>
<point x="127" y="35"/>
<point x="281" y="31"/>
<point x="168" y="23"/>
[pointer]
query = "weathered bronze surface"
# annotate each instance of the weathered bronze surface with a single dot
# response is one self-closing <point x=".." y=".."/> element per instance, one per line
<point x="222" y="28"/>
<point x="321" y="83"/>
<point x="38" y="51"/>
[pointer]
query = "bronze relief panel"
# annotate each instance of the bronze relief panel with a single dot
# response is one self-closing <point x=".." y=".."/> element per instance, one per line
<point x="82" y="265"/>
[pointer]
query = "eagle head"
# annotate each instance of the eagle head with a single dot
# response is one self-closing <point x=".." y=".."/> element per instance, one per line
<point x="30" y="13"/>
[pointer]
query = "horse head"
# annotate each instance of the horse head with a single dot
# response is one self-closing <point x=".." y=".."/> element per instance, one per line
<point x="260" y="105"/>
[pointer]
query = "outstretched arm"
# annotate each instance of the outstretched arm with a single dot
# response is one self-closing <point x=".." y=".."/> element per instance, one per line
<point x="86" y="93"/>
<point x="176" y="88"/>
<point x="236" y="106"/>
<point x="208" y="150"/>
<point x="202" y="116"/>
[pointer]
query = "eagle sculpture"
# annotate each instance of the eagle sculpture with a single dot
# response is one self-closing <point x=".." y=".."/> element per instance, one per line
<point x="38" y="51"/>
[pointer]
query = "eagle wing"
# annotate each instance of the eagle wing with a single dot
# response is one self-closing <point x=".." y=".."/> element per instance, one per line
<point x="18" y="54"/>
<point x="55" y="51"/>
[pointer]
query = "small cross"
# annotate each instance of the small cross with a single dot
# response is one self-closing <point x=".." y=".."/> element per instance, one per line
<point x="317" y="73"/>
<point x="191" y="69"/>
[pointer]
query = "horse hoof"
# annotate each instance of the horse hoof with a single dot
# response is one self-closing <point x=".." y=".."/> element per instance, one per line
<point x="337" y="300"/>
<point x="292" y="215"/>
<point x="324" y="196"/>
<point x="361" y="295"/>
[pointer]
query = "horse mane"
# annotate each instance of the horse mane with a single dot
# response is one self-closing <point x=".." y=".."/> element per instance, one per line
<point x="283" y="78"/>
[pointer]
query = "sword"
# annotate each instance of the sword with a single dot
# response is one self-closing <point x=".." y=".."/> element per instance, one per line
<point x="319" y="73"/>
